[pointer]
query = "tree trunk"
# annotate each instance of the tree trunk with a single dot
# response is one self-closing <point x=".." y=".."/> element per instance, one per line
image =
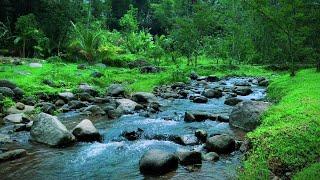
<point x="24" y="49"/>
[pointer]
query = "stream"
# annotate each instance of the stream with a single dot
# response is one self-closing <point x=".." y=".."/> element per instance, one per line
<point x="117" y="158"/>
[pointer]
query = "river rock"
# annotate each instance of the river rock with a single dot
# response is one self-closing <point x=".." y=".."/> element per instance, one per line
<point x="7" y="92"/>
<point x="186" y="140"/>
<point x="12" y="155"/>
<point x="116" y="90"/>
<point x="242" y="91"/>
<point x="88" y="89"/>
<point x="20" y="106"/>
<point x="126" y="105"/>
<point x="201" y="135"/>
<point x="194" y="75"/>
<point x="188" y="117"/>
<point x="18" y="93"/>
<point x="49" y="130"/>
<point x="189" y="157"/>
<point x="14" y="118"/>
<point x="242" y="83"/>
<point x="47" y="107"/>
<point x="94" y="110"/>
<point x="144" y="97"/>
<point x="76" y="104"/>
<point x="211" y="156"/>
<point x="66" y="96"/>
<point x="133" y="135"/>
<point x="220" y="144"/>
<point x="14" y="110"/>
<point x="8" y="84"/>
<point x="158" y="162"/>
<point x="264" y="83"/>
<point x="212" y="78"/>
<point x="212" y="93"/>
<point x="200" y="99"/>
<point x="246" y="115"/>
<point x="86" y="132"/>
<point x="232" y="101"/>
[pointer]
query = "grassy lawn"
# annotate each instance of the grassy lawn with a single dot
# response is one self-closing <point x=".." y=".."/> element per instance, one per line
<point x="288" y="139"/>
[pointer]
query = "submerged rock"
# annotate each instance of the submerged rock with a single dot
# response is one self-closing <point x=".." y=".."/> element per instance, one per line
<point x="158" y="162"/>
<point x="242" y="91"/>
<point x="49" y="130"/>
<point x="86" y="132"/>
<point x="201" y="135"/>
<point x="246" y="115"/>
<point x="12" y="155"/>
<point x="133" y="135"/>
<point x="221" y="144"/>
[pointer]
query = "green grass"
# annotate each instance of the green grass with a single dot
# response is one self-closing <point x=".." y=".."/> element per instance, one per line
<point x="288" y="139"/>
<point x="30" y="79"/>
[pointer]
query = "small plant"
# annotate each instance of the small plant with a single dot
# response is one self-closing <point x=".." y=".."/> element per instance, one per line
<point x="8" y="102"/>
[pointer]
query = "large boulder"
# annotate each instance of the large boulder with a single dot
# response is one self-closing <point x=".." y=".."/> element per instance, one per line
<point x="18" y="93"/>
<point x="211" y="156"/>
<point x="7" y="92"/>
<point x="158" y="162"/>
<point x="86" y="132"/>
<point x="49" y="130"/>
<point x="144" y="97"/>
<point x="246" y="115"/>
<point x="116" y="90"/>
<point x="12" y="155"/>
<point x="221" y="144"/>
<point x="126" y="105"/>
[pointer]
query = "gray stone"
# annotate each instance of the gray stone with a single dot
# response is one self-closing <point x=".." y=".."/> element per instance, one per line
<point x="49" y="130"/>
<point x="158" y="162"/>
<point x="94" y="110"/>
<point x="201" y="135"/>
<point x="211" y="156"/>
<point x="126" y="105"/>
<point x="86" y="132"/>
<point x="232" y="101"/>
<point x="220" y="144"/>
<point x="20" y="106"/>
<point x="8" y="84"/>
<point x="212" y="93"/>
<point x="7" y="92"/>
<point x="200" y="99"/>
<point x="66" y="96"/>
<point x="14" y="118"/>
<point x="144" y="97"/>
<point x="116" y="90"/>
<point x="246" y="115"/>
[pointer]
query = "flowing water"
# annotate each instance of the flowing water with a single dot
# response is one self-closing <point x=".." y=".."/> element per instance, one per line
<point x="118" y="158"/>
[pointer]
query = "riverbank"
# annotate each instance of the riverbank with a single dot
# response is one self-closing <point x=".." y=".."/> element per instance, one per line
<point x="288" y="141"/>
<point x="64" y="76"/>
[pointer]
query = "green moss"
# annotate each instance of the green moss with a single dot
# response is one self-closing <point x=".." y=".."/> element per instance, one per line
<point x="288" y="139"/>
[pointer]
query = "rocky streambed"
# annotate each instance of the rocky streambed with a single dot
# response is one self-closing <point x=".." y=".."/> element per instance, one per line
<point x="181" y="131"/>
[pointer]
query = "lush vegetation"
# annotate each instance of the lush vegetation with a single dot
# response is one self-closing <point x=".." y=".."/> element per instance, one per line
<point x="288" y="139"/>
<point x="221" y="37"/>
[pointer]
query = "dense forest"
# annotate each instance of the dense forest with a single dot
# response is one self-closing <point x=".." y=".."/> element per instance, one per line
<point x="168" y="89"/>
<point x="248" y="31"/>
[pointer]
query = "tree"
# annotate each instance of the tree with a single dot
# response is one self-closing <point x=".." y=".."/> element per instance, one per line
<point x="129" y="22"/>
<point x="29" y="34"/>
